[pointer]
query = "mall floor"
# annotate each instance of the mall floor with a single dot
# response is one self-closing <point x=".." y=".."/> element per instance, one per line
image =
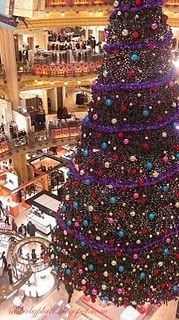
<point x="50" y="302"/>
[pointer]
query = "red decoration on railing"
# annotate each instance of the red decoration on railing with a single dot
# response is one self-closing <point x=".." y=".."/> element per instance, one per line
<point x="94" y="2"/>
<point x="77" y="2"/>
<point x="172" y="2"/>
<point x="65" y="133"/>
<point x="4" y="147"/>
<point x="67" y="70"/>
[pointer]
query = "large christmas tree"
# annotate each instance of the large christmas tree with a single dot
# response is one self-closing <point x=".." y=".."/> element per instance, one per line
<point x="117" y="226"/>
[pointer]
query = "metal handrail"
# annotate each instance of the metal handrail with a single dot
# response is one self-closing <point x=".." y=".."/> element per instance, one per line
<point x="42" y="137"/>
<point x="53" y="3"/>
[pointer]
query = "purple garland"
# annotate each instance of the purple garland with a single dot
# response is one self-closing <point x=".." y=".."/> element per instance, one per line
<point x="109" y="248"/>
<point x="140" y="45"/>
<point x="135" y="85"/>
<point x="130" y="127"/>
<point x="124" y="185"/>
<point x="134" y="8"/>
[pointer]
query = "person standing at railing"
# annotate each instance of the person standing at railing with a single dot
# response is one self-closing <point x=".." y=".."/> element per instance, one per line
<point x="3" y="257"/>
<point x="6" y="221"/>
<point x="9" y="272"/>
<point x="14" y="225"/>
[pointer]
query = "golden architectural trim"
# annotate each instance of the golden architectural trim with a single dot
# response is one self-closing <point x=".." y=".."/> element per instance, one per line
<point x="27" y="83"/>
<point x="74" y="19"/>
<point x="63" y="22"/>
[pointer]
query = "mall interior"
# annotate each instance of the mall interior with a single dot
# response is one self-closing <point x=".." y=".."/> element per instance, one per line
<point x="49" y="55"/>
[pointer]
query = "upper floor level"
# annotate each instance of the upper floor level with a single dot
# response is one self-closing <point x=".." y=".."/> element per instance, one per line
<point x="61" y="41"/>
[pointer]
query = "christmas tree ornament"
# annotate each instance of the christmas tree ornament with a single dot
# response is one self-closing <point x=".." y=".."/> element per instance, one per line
<point x="104" y="145"/>
<point x="146" y="113"/>
<point x="154" y="26"/>
<point x="125" y="32"/>
<point x="116" y="3"/>
<point x="121" y="268"/>
<point x="86" y="152"/>
<point x="109" y="102"/>
<point x="134" y="57"/>
<point x="149" y="165"/>
<point x="105" y="73"/>
<point x="151" y="215"/>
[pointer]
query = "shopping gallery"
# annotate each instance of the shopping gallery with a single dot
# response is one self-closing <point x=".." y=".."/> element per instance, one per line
<point x="54" y="173"/>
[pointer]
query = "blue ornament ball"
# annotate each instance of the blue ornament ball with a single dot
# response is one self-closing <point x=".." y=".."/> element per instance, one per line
<point x="176" y="125"/>
<point x="151" y="215"/>
<point x="165" y="188"/>
<point x="177" y="155"/>
<point x="134" y="57"/>
<point x="142" y="275"/>
<point x="87" y="182"/>
<point x="57" y="268"/>
<point x="109" y="102"/>
<point x="113" y="200"/>
<point x="121" y="233"/>
<point x="68" y="271"/>
<point x="90" y="267"/>
<point x="64" y="208"/>
<point x="166" y="251"/>
<point x="149" y="165"/>
<point x="145" y="113"/>
<point x="85" y="223"/>
<point x="69" y="223"/>
<point x="121" y="268"/>
<point x="105" y="298"/>
<point x="83" y="244"/>
<point x="86" y="152"/>
<point x="87" y="119"/>
<point x="175" y="289"/>
<point x="75" y="205"/>
<point x="104" y="145"/>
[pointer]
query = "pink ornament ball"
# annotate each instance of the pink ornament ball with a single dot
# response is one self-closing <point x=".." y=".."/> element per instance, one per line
<point x="154" y="26"/>
<point x="168" y="240"/>
<point x="135" y="195"/>
<point x="95" y="116"/>
<point x="83" y="288"/>
<point x="171" y="83"/>
<point x="77" y="224"/>
<point x="165" y="159"/>
<point x="94" y="292"/>
<point x="126" y="141"/>
<point x="110" y="220"/>
<point x="80" y="271"/>
<point x="119" y="291"/>
<point x="135" y="256"/>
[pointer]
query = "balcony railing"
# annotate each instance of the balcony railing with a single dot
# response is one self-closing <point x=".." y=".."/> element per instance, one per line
<point x="172" y="2"/>
<point x="66" y="70"/>
<point x="94" y="2"/>
<point x="61" y="70"/>
<point x="77" y="2"/>
<point x="39" y="139"/>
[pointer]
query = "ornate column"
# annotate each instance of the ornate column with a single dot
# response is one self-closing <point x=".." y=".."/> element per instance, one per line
<point x="9" y="60"/>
